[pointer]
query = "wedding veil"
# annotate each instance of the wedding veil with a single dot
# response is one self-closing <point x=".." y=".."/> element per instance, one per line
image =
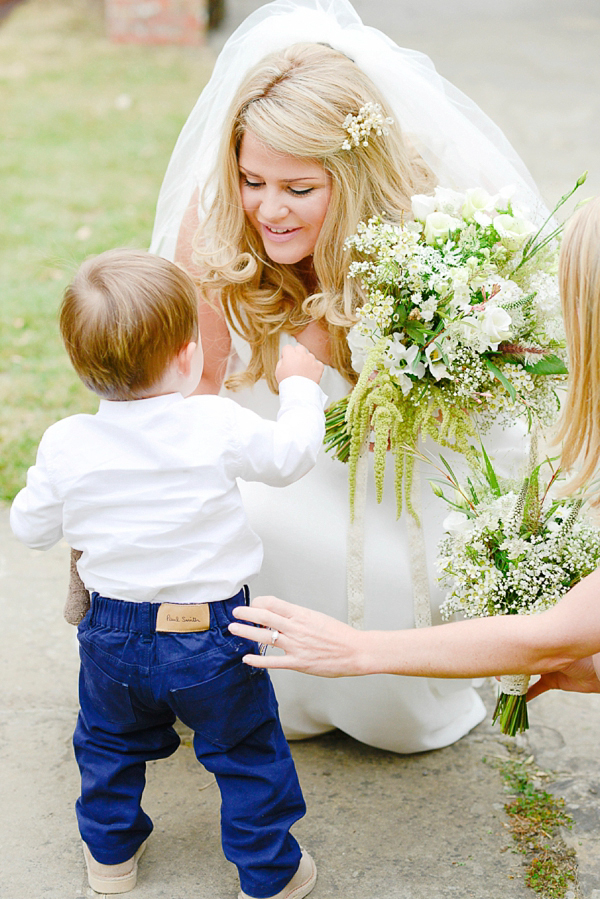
<point x="459" y="143"/>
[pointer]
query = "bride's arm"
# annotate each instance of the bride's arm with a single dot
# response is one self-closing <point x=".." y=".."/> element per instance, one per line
<point x="214" y="333"/>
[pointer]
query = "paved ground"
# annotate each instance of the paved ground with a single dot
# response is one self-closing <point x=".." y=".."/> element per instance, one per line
<point x="382" y="826"/>
<point x="429" y="826"/>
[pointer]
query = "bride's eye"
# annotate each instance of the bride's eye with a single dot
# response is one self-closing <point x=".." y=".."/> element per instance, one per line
<point x="247" y="183"/>
<point x="300" y="192"/>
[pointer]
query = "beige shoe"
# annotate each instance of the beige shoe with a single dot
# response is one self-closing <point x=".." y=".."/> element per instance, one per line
<point x="301" y="883"/>
<point x="112" y="878"/>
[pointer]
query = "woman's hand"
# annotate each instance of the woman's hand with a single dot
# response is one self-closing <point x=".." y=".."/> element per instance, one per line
<point x="312" y="642"/>
<point x="581" y="676"/>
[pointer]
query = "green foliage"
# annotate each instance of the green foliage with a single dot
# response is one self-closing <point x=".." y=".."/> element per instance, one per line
<point x="88" y="128"/>
<point x="396" y="421"/>
<point x="548" y="365"/>
<point x="536" y="817"/>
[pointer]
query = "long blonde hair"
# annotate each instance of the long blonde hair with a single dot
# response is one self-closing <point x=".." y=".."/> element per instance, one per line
<point x="296" y="102"/>
<point x="579" y="277"/>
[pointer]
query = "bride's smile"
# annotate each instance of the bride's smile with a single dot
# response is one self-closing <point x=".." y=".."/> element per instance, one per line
<point x="285" y="198"/>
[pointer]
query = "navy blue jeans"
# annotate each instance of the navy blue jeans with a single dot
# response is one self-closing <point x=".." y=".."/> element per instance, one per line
<point x="133" y="684"/>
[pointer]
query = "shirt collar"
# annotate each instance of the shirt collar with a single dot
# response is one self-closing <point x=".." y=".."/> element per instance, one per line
<point x="120" y="408"/>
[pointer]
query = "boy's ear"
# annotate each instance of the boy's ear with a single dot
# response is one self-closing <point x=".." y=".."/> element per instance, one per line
<point x="184" y="358"/>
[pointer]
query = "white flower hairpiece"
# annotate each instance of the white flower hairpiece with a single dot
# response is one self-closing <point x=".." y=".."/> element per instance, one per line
<point x="370" y="117"/>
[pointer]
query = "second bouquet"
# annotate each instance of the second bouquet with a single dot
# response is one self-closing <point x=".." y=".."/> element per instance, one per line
<point x="512" y="549"/>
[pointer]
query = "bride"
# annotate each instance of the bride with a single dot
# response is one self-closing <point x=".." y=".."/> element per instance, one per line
<point x="310" y="123"/>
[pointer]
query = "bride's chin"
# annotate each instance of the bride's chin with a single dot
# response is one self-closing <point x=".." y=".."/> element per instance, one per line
<point x="285" y="256"/>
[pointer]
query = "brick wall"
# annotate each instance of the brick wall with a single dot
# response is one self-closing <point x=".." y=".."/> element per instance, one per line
<point x="156" y="21"/>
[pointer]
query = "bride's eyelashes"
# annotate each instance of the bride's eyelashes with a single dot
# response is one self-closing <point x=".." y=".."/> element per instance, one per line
<point x="296" y="192"/>
<point x="246" y="183"/>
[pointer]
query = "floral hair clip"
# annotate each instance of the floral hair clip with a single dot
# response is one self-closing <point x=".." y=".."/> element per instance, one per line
<point x="370" y="117"/>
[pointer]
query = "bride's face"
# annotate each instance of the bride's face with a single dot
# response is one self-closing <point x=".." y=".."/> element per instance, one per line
<point x="284" y="198"/>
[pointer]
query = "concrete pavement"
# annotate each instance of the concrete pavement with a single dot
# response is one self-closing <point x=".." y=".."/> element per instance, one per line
<point x="428" y="826"/>
<point x="383" y="826"/>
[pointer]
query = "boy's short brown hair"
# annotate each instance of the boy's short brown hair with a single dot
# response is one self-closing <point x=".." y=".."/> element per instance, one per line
<point x="124" y="318"/>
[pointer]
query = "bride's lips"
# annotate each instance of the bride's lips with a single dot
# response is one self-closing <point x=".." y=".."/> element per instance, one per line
<point x="278" y="235"/>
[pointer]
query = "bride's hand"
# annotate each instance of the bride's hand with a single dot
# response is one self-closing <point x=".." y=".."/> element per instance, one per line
<point x="312" y="642"/>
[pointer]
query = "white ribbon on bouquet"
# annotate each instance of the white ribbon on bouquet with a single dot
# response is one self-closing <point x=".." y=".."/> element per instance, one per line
<point x="355" y="560"/>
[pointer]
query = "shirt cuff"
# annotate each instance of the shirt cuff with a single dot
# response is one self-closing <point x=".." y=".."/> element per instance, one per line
<point x="296" y="387"/>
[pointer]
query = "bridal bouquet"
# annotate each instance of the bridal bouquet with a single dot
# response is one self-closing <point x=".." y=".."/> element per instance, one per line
<point x="512" y="550"/>
<point x="461" y="324"/>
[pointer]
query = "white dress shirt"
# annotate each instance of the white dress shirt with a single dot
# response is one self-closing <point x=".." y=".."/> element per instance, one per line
<point x="147" y="490"/>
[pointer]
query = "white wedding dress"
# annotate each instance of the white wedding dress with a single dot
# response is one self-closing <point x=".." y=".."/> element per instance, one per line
<point x="303" y="528"/>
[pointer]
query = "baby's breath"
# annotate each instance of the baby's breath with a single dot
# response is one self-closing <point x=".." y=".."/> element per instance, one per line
<point x="516" y="553"/>
<point x="457" y="331"/>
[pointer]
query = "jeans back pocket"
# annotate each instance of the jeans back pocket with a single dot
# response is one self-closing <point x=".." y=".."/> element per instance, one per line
<point x="226" y="708"/>
<point x="102" y="694"/>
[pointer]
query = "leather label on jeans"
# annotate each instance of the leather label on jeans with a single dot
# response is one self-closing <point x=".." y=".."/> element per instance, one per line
<point x="180" y="618"/>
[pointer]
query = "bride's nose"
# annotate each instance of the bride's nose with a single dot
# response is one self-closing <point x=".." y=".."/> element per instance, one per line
<point x="274" y="206"/>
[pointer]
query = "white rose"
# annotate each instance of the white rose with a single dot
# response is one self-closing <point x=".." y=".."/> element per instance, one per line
<point x="455" y="522"/>
<point x="482" y="218"/>
<point x="422" y="206"/>
<point x="495" y="324"/>
<point x="486" y="328"/>
<point x="438" y="226"/>
<point x="470" y="329"/>
<point x="513" y="231"/>
<point x="449" y="201"/>
<point x="478" y="201"/>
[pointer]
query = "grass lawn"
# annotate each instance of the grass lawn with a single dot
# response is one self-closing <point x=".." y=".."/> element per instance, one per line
<point x="87" y="131"/>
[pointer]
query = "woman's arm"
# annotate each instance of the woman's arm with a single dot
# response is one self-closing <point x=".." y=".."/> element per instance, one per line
<point x="214" y="333"/>
<point x="548" y="642"/>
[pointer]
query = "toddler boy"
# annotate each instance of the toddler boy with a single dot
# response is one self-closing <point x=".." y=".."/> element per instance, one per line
<point x="146" y="489"/>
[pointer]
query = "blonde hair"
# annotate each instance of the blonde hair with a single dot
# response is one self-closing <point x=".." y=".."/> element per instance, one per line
<point x="296" y="102"/>
<point x="124" y="318"/>
<point x="579" y="278"/>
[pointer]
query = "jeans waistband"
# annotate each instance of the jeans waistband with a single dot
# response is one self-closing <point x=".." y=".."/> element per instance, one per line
<point x="140" y="617"/>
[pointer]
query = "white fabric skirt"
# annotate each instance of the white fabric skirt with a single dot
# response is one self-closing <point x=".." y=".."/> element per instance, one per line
<point x="304" y="528"/>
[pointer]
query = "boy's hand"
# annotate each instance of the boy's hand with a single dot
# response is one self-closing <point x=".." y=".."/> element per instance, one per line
<point x="297" y="360"/>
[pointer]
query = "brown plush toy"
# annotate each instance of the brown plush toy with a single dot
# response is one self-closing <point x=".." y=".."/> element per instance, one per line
<point x="78" y="598"/>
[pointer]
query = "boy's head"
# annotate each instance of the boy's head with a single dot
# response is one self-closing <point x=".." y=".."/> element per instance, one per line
<point x="124" y="318"/>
